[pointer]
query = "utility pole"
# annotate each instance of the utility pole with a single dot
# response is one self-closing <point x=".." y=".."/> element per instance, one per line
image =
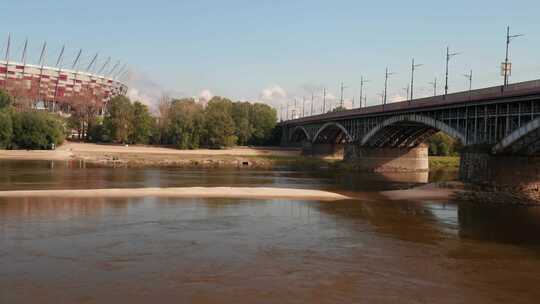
<point x="303" y="106"/>
<point x="386" y="74"/>
<point x="434" y="84"/>
<point x="342" y="87"/>
<point x="413" y="67"/>
<point x="287" y="114"/>
<point x="324" y="100"/>
<point x="507" y="67"/>
<point x="281" y="112"/>
<point x="406" y="89"/>
<point x="448" y="56"/>
<point x="312" y="100"/>
<point x="469" y="76"/>
<point x="362" y="82"/>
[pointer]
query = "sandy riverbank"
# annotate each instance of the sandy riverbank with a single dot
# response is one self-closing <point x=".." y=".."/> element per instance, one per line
<point x="192" y="192"/>
<point x="118" y="155"/>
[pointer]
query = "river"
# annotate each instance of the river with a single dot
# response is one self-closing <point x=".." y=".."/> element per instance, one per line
<point x="366" y="250"/>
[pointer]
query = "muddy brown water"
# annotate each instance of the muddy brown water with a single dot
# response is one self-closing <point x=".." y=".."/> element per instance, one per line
<point x="367" y="250"/>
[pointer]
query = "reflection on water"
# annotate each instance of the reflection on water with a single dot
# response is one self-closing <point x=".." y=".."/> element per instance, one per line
<point x="257" y="251"/>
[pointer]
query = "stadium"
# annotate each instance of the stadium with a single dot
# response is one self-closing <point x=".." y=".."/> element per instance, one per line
<point x="58" y="89"/>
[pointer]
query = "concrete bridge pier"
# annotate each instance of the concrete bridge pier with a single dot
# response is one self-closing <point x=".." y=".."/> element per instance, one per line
<point x="387" y="159"/>
<point x="513" y="175"/>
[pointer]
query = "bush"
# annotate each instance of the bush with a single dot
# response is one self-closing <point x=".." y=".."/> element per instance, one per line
<point x="5" y="100"/>
<point x="6" y="129"/>
<point x="441" y="144"/>
<point x="37" y="130"/>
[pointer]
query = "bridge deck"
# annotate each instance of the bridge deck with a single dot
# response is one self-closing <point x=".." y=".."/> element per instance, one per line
<point x="528" y="88"/>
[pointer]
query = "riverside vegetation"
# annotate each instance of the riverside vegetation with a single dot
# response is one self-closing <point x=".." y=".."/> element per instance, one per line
<point x="178" y="123"/>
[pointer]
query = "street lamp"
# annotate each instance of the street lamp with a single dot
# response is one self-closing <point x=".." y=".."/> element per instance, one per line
<point x="434" y="84"/>
<point x="342" y="87"/>
<point x="448" y="56"/>
<point x="362" y="82"/>
<point x="507" y="67"/>
<point x="413" y="67"/>
<point x="386" y="74"/>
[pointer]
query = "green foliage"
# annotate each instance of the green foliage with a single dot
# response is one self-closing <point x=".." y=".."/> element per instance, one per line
<point x="219" y="125"/>
<point x="119" y="119"/>
<point x="143" y="124"/>
<point x="37" y="130"/>
<point x="6" y="128"/>
<point x="441" y="144"/>
<point x="242" y="120"/>
<point x="5" y="100"/>
<point x="185" y="126"/>
<point x="263" y="119"/>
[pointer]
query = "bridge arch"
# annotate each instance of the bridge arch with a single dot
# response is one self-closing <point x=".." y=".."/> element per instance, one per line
<point x="524" y="140"/>
<point x="298" y="133"/>
<point x="332" y="132"/>
<point x="407" y="130"/>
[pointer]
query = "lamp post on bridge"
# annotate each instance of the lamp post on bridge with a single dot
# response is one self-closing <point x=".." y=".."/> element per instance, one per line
<point x="386" y="74"/>
<point x="312" y="100"/>
<point x="406" y="89"/>
<point x="448" y="56"/>
<point x="469" y="77"/>
<point x="324" y="100"/>
<point x="434" y="84"/>
<point x="362" y="82"/>
<point x="507" y="67"/>
<point x="342" y="87"/>
<point x="413" y="67"/>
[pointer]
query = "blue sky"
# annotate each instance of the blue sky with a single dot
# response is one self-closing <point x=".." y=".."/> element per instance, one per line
<point x="278" y="50"/>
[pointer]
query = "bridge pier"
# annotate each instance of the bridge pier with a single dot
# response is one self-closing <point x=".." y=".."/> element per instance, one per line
<point x="514" y="175"/>
<point x="387" y="159"/>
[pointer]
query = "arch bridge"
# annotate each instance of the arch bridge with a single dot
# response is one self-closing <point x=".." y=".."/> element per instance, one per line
<point x="494" y="121"/>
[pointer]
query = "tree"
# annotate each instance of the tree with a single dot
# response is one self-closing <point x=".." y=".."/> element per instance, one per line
<point x="241" y="116"/>
<point x="219" y="125"/>
<point x="6" y="128"/>
<point x="5" y="99"/>
<point x="441" y="144"/>
<point x="186" y="124"/>
<point x="263" y="119"/>
<point x="142" y="124"/>
<point x="85" y="107"/>
<point x="37" y="130"/>
<point x="118" y="122"/>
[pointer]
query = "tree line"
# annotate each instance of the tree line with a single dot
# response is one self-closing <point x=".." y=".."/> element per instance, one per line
<point x="186" y="124"/>
<point x="182" y="123"/>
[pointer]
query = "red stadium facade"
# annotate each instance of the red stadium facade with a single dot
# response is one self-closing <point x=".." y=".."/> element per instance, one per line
<point x="56" y="89"/>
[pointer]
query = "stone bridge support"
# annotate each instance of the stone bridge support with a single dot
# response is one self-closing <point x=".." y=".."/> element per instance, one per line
<point x="508" y="175"/>
<point x="387" y="159"/>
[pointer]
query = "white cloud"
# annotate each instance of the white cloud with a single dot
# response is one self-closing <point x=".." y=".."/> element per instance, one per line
<point x="273" y="93"/>
<point x="206" y="95"/>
